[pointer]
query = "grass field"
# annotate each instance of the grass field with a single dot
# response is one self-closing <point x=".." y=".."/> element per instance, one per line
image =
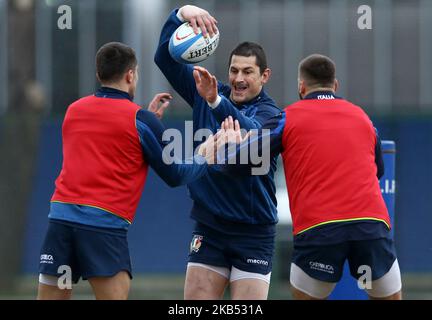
<point x="170" y="287"/>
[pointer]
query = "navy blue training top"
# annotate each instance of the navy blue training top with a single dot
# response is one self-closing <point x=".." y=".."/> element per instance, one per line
<point x="248" y="200"/>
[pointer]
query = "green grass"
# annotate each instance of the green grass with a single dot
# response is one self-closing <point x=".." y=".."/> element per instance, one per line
<point x="170" y="287"/>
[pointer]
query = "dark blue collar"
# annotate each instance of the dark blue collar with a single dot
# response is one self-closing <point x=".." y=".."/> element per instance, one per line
<point x="322" y="95"/>
<point x="261" y="95"/>
<point x="106" y="92"/>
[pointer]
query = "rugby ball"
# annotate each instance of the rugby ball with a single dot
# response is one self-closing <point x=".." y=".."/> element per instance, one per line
<point x="187" y="47"/>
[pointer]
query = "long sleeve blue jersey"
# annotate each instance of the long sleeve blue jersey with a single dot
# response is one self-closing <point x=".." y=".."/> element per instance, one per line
<point x="249" y="199"/>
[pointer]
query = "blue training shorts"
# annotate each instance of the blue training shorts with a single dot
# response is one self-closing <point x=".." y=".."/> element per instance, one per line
<point x="326" y="262"/>
<point x="245" y="252"/>
<point x="88" y="251"/>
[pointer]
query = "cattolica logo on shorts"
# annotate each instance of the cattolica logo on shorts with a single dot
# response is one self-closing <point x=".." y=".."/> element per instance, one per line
<point x="321" y="267"/>
<point x="46" y="258"/>
<point x="196" y="243"/>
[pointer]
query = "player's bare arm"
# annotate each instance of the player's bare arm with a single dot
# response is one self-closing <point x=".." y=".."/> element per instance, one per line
<point x="231" y="133"/>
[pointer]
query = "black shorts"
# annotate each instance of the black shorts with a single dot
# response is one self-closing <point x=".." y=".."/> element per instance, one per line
<point x="88" y="251"/>
<point x="326" y="262"/>
<point x="246" y="253"/>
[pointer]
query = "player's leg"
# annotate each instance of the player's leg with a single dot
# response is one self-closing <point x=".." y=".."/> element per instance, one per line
<point x="251" y="260"/>
<point x="395" y="296"/>
<point x="48" y="289"/>
<point x="249" y="285"/>
<point x="300" y="295"/>
<point x="389" y="286"/>
<point x="47" y="292"/>
<point x="304" y="287"/>
<point x="208" y="270"/>
<point x="56" y="254"/>
<point x="315" y="270"/>
<point x="104" y="260"/>
<point x="111" y="288"/>
<point x="205" y="282"/>
<point x="380" y="256"/>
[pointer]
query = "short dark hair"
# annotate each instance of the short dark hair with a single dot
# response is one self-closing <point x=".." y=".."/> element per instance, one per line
<point x="247" y="49"/>
<point x="113" y="59"/>
<point x="317" y="70"/>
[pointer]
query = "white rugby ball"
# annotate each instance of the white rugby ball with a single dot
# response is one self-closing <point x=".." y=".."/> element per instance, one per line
<point x="187" y="47"/>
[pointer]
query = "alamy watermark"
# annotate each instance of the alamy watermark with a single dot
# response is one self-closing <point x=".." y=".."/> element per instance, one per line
<point x="64" y="281"/>
<point x="365" y="280"/>
<point x="364" y="22"/>
<point x="64" y="22"/>
<point x="255" y="151"/>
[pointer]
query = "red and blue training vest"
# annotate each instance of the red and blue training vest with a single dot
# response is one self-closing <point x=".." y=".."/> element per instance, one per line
<point x="103" y="163"/>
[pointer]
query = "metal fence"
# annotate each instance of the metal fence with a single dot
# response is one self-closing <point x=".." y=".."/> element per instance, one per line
<point x="386" y="69"/>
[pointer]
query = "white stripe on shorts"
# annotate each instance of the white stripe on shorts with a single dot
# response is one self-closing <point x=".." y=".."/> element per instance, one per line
<point x="224" y="272"/>
<point x="315" y="288"/>
<point x="237" y="274"/>
<point x="388" y="284"/>
<point x="233" y="275"/>
<point x="48" y="280"/>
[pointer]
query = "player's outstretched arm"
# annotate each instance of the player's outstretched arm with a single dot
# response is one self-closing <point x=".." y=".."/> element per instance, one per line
<point x="173" y="171"/>
<point x="242" y="149"/>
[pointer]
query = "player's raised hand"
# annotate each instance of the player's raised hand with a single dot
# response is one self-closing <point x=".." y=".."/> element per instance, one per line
<point x="159" y="103"/>
<point x="231" y="133"/>
<point x="206" y="84"/>
<point x="199" y="18"/>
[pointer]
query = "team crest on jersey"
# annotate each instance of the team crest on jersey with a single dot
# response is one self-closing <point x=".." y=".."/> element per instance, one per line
<point x="196" y="243"/>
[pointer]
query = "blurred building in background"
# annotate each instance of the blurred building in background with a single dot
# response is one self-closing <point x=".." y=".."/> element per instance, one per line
<point x="387" y="70"/>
